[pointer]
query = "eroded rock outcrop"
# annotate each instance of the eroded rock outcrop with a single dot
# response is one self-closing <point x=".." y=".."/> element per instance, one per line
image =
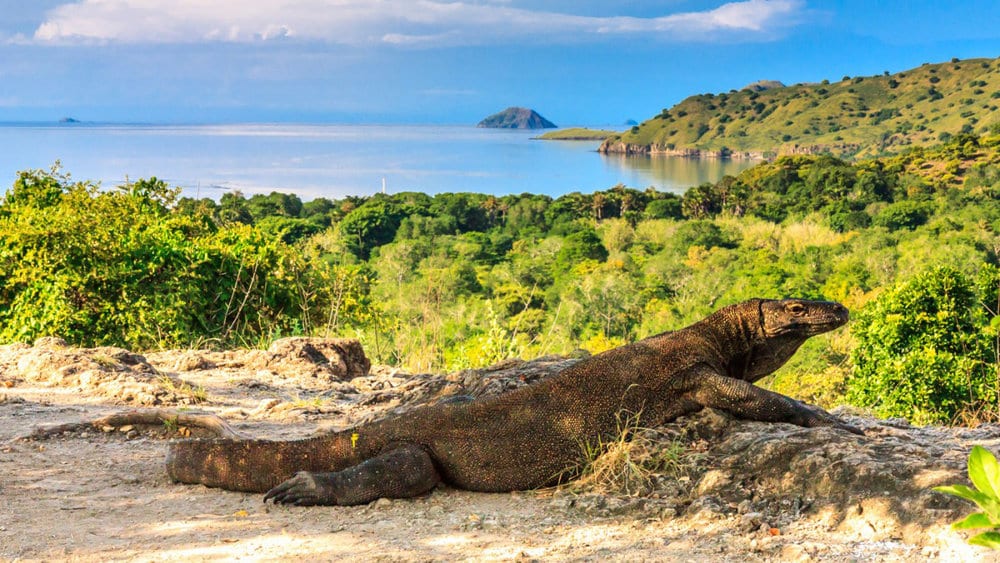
<point x="110" y="372"/>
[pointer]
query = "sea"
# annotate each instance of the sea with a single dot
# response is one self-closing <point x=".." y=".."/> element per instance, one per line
<point x="333" y="161"/>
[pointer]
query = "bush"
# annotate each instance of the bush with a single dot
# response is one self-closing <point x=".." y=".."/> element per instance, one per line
<point x="922" y="351"/>
<point x="581" y="245"/>
<point x="906" y="214"/>
<point x="122" y="268"/>
<point x="667" y="208"/>
<point x="702" y="233"/>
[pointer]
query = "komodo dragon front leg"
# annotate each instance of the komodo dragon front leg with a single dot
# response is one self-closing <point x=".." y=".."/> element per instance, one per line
<point x="746" y="400"/>
<point x="401" y="471"/>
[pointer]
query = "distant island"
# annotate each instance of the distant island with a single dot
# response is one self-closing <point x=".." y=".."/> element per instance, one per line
<point x="850" y="117"/>
<point x="516" y="118"/>
<point x="69" y="120"/>
<point x="577" y="134"/>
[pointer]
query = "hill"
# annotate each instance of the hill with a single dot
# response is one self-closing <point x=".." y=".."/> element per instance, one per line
<point x="516" y="118"/>
<point x="854" y="117"/>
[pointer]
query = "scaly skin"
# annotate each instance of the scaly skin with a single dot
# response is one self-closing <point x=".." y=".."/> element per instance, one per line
<point x="533" y="436"/>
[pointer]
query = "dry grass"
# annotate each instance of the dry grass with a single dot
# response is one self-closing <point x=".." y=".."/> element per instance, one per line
<point x="183" y="389"/>
<point x="632" y="461"/>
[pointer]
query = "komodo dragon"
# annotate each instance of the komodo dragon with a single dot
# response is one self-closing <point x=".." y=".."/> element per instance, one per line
<point x="532" y="436"/>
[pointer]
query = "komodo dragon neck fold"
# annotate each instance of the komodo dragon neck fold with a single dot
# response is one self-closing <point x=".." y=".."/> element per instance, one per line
<point x="529" y="437"/>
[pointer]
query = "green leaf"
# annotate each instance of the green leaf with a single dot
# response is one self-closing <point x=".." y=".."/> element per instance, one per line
<point x="975" y="520"/>
<point x="984" y="471"/>
<point x="963" y="491"/>
<point x="990" y="505"/>
<point x="986" y="539"/>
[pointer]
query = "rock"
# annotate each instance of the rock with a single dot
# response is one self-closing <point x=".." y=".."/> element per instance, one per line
<point x="109" y="371"/>
<point x="326" y="358"/>
<point x="762" y="85"/>
<point x="794" y="552"/>
<point x="192" y="360"/>
<point x="50" y="342"/>
<point x="713" y="481"/>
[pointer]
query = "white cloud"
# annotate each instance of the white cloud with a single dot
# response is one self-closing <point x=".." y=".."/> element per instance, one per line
<point x="398" y="22"/>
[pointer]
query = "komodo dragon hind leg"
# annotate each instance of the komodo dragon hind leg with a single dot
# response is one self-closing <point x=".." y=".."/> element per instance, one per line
<point x="747" y="401"/>
<point x="401" y="471"/>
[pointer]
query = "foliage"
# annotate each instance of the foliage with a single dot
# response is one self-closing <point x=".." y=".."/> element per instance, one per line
<point x="984" y="472"/>
<point x="577" y="134"/>
<point x="119" y="267"/>
<point x="922" y="352"/>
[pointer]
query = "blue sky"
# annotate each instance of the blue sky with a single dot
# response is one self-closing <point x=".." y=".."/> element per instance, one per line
<point x="578" y="62"/>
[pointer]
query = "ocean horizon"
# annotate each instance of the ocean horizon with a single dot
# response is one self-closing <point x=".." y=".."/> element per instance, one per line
<point x="337" y="160"/>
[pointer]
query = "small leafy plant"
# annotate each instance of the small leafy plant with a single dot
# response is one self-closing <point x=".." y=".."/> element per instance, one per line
<point x="984" y="472"/>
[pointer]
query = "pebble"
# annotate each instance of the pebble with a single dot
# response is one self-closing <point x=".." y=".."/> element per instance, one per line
<point x="750" y="521"/>
<point x="794" y="552"/>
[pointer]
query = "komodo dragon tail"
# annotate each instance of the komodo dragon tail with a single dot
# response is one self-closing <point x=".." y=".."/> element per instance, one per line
<point x="256" y="466"/>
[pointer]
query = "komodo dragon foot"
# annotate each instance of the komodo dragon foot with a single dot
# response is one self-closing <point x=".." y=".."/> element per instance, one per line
<point x="401" y="472"/>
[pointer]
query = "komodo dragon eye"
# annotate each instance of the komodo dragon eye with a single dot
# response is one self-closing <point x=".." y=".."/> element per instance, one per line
<point x="796" y="308"/>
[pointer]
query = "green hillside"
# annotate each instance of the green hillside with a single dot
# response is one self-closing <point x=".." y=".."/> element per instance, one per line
<point x="855" y="116"/>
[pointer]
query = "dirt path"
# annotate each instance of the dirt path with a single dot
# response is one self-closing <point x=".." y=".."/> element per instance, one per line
<point x="103" y="496"/>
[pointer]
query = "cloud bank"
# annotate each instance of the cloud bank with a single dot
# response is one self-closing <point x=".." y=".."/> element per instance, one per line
<point x="426" y="23"/>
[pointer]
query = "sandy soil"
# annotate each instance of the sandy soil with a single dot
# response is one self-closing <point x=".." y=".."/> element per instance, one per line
<point x="96" y="495"/>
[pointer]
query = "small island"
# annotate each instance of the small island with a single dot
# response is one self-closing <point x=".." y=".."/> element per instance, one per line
<point x="516" y="118"/>
<point x="577" y="134"/>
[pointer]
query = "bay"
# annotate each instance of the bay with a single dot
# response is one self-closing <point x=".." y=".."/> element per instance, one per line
<point x="338" y="160"/>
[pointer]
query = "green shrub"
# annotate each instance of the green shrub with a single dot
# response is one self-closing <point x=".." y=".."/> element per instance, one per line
<point x="906" y="214"/>
<point x="584" y="244"/>
<point x="701" y="233"/>
<point x="120" y="267"/>
<point x="922" y="351"/>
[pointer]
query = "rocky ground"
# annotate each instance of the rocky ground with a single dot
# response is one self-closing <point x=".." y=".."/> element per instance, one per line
<point x="732" y="490"/>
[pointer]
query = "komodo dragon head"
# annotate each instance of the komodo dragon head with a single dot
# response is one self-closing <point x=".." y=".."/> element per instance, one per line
<point x="784" y="325"/>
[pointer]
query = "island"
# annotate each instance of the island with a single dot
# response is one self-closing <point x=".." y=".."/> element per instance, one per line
<point x="516" y="118"/>
<point x="577" y="134"/>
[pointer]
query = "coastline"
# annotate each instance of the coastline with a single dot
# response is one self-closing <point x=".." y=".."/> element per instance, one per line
<point x="635" y="149"/>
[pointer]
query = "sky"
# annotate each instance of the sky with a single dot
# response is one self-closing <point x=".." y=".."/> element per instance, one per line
<point x="577" y="62"/>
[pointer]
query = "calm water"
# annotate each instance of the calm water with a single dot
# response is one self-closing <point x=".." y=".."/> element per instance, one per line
<point x="338" y="160"/>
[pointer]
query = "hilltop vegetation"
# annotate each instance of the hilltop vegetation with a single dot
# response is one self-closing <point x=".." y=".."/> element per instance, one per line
<point x="910" y="243"/>
<point x="577" y="134"/>
<point x="858" y="116"/>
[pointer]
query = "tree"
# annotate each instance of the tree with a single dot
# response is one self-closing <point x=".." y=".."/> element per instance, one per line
<point x="233" y="209"/>
<point x="666" y="208"/>
<point x="370" y="226"/>
<point x="582" y="245"/>
<point x="702" y="201"/>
